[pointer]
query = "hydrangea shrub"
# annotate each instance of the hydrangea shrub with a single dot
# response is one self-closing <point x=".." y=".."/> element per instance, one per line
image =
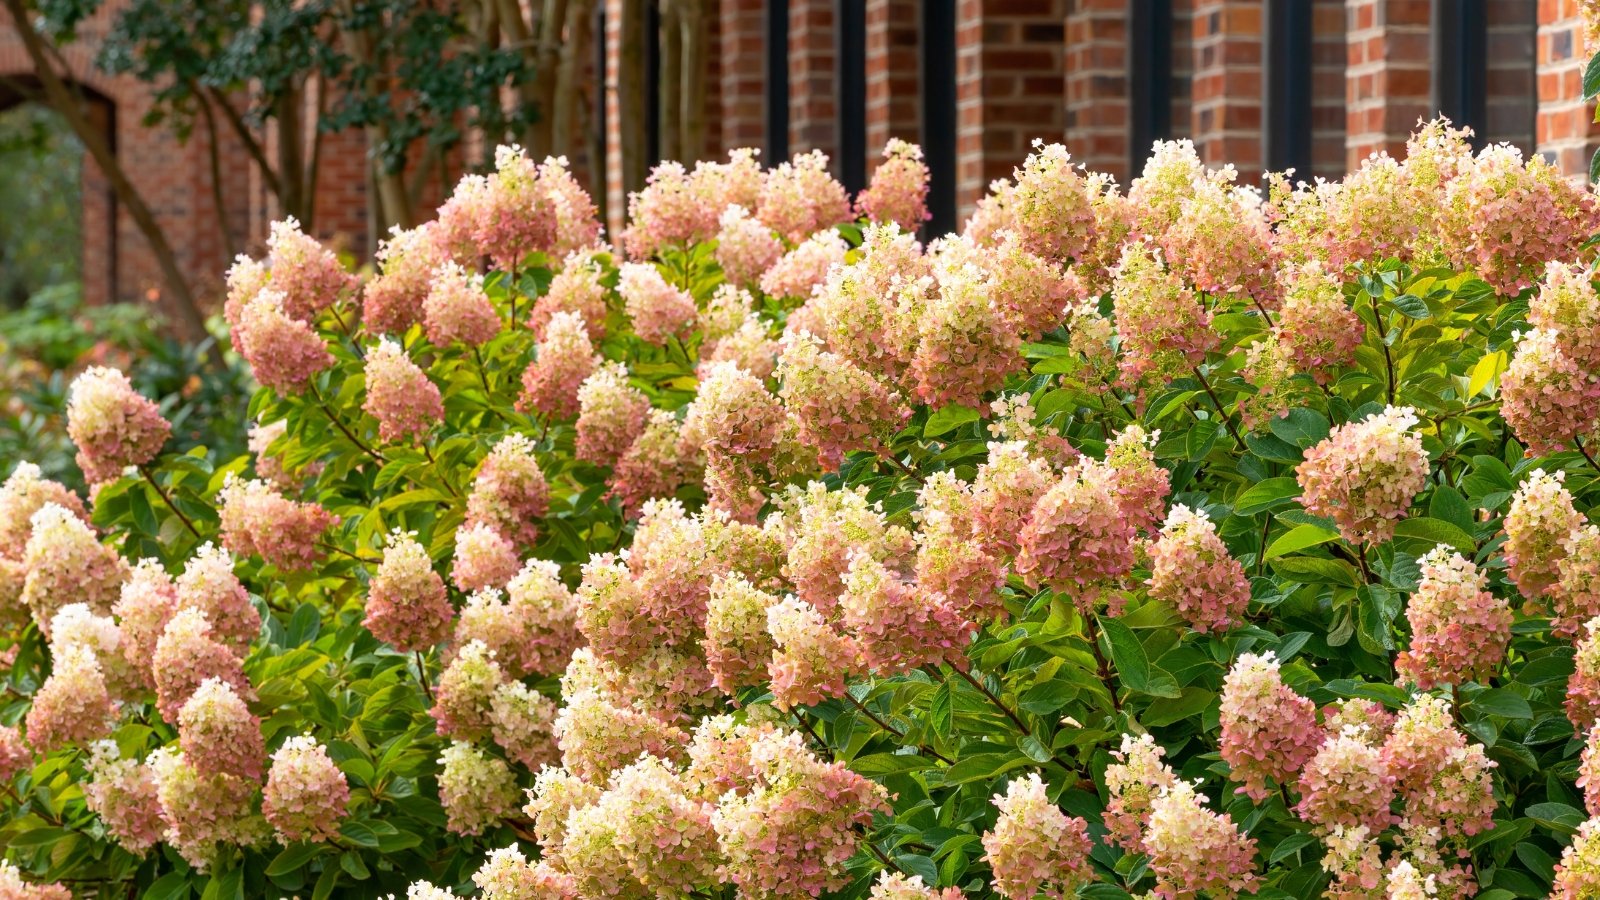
<point x="1178" y="541"/>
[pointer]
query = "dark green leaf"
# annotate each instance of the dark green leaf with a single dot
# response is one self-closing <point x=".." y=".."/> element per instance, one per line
<point x="1436" y="530"/>
<point x="1557" y="817"/>
<point x="293" y="857"/>
<point x="1127" y="655"/>
<point x="1503" y="703"/>
<point x="1299" y="538"/>
<point x="1266" y="495"/>
<point x="1301" y="427"/>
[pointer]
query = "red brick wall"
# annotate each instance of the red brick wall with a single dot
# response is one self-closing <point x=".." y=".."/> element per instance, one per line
<point x="813" y="78"/>
<point x="173" y="178"/>
<point x="1565" y="127"/>
<point x="1051" y="69"/>
<point x="743" y="83"/>
<point x="1225" y="116"/>
<point x="1389" y="77"/>
<point x="1510" y="106"/>
<point x="1328" y="54"/>
<point x="1096" y="85"/>
<point x="1009" y="87"/>
<point x="894" y="74"/>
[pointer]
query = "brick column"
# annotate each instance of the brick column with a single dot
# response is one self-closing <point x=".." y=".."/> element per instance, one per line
<point x="1509" y="110"/>
<point x="1097" y="90"/>
<point x="1328" y="60"/>
<point x="1225" y="116"/>
<point x="1008" y="88"/>
<point x="813" y="78"/>
<point x="743" y="83"/>
<point x="1566" y="133"/>
<point x="894" y="68"/>
<point x="1389" y="76"/>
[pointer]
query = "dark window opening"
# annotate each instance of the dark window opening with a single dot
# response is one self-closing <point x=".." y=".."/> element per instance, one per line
<point x="777" y="81"/>
<point x="939" y="113"/>
<point x="1149" y="78"/>
<point x="1286" y="131"/>
<point x="1460" y="64"/>
<point x="851" y="59"/>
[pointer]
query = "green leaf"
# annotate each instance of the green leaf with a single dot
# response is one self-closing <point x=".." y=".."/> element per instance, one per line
<point x="1289" y="846"/>
<point x="876" y="765"/>
<point x="1558" y="817"/>
<point x="326" y="884"/>
<point x="351" y="862"/>
<point x="1503" y="704"/>
<point x="1299" y="538"/>
<point x="1487" y="370"/>
<point x="1201" y="438"/>
<point x="1301" y="427"/>
<point x="982" y="767"/>
<point x="1436" y="530"/>
<point x="293" y="857"/>
<point x="1127" y="654"/>
<point x="1411" y="306"/>
<point x="1266" y="495"/>
<point x="948" y="419"/>
<point x="1169" y="710"/>
<point x="1375" y="620"/>
<point x="1594" y="163"/>
<point x="171" y="886"/>
<point x="1591" y="78"/>
<point x="1034" y="749"/>
<point x="1447" y="505"/>
<point x="939" y="711"/>
<point x="1316" y="570"/>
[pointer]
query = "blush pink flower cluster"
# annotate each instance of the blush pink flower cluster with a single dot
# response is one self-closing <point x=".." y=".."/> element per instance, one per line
<point x="406" y="602"/>
<point x="306" y="795"/>
<point x="1192" y="571"/>
<point x="1459" y="630"/>
<point x="509" y="493"/>
<point x="1547" y="397"/>
<point x="257" y="520"/>
<point x="112" y="425"/>
<point x="1035" y="849"/>
<point x="1538" y="526"/>
<point x="1365" y="474"/>
<point x="898" y="191"/>
<point x="1269" y="732"/>
<point x="400" y="395"/>
<point x="562" y="360"/>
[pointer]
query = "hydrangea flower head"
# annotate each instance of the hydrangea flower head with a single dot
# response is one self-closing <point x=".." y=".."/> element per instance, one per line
<point x="112" y="425"/>
<point x="1365" y="474"/>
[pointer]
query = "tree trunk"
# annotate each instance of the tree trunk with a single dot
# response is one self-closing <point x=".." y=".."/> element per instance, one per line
<point x="669" y="81"/>
<point x="61" y="98"/>
<point x="692" y="95"/>
<point x="291" y="157"/>
<point x="568" y="87"/>
<point x="391" y="193"/>
<point x="631" y="96"/>
<point x="247" y="138"/>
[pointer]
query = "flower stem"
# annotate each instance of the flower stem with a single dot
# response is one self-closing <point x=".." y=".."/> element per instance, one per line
<point x="323" y="405"/>
<point x="145" y="471"/>
<point x="422" y="675"/>
<point x="1586" y="454"/>
<point x="1226" y="419"/>
<point x="984" y="689"/>
<point x="893" y="730"/>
